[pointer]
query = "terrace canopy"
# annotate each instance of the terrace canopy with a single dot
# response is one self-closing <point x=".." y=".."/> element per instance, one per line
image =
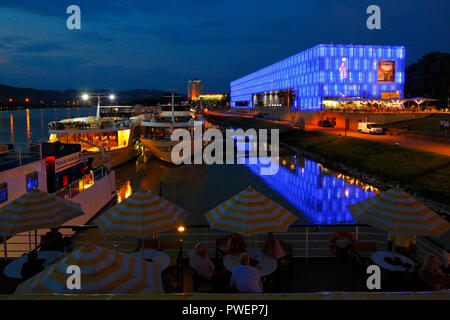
<point x="250" y="213"/>
<point x="36" y="210"/>
<point x="398" y="212"/>
<point x="103" y="271"/>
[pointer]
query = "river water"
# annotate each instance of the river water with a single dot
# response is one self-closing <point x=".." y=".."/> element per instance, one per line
<point x="314" y="193"/>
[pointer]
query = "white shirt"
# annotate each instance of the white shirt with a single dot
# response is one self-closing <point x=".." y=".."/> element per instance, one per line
<point x="202" y="265"/>
<point x="246" y="279"/>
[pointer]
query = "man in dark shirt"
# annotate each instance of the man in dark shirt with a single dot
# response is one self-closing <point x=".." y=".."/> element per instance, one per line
<point x="53" y="240"/>
<point x="33" y="266"/>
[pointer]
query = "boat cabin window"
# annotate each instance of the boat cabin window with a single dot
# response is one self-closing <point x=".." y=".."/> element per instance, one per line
<point x="3" y="192"/>
<point x="110" y="140"/>
<point x="31" y="181"/>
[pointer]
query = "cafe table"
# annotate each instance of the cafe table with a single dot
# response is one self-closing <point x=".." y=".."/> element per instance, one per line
<point x="379" y="258"/>
<point x="266" y="264"/>
<point x="155" y="256"/>
<point x="13" y="269"/>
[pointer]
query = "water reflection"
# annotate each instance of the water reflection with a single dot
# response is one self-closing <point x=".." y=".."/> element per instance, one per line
<point x="28" y="124"/>
<point x="11" y="126"/>
<point x="318" y="193"/>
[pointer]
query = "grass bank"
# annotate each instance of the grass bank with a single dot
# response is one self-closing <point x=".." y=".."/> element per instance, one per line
<point x="427" y="173"/>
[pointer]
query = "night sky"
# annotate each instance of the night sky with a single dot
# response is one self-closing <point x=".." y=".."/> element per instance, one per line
<point x="133" y="44"/>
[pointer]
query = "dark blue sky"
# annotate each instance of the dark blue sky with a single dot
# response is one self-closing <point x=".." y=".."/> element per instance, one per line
<point x="133" y="44"/>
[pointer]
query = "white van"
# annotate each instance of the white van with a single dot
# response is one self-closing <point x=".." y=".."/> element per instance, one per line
<point x="370" y="128"/>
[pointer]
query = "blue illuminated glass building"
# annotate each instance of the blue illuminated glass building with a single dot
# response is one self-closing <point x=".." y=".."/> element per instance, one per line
<point x="326" y="72"/>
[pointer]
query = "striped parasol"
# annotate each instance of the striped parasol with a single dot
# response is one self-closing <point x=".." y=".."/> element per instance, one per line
<point x="102" y="271"/>
<point x="141" y="215"/>
<point x="250" y="213"/>
<point x="36" y="210"/>
<point x="398" y="212"/>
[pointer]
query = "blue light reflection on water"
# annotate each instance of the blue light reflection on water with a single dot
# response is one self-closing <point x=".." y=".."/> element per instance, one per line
<point x="316" y="192"/>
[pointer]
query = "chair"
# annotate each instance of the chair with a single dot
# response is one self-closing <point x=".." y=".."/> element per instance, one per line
<point x="361" y="263"/>
<point x="221" y="242"/>
<point x="284" y="264"/>
<point x="147" y="244"/>
<point x="200" y="284"/>
<point x="173" y="275"/>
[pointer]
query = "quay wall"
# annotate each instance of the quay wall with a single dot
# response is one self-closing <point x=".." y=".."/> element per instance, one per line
<point x="313" y="117"/>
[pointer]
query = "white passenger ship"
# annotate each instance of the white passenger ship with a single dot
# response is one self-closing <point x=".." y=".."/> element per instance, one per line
<point x="59" y="169"/>
<point x="110" y="137"/>
<point x="157" y="129"/>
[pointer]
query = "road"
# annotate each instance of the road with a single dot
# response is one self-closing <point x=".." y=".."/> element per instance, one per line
<point x="403" y="141"/>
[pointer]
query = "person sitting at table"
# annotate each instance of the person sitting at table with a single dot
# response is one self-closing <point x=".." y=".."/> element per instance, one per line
<point x="432" y="275"/>
<point x="67" y="246"/>
<point x="200" y="262"/>
<point x="246" y="279"/>
<point x="33" y="266"/>
<point x="272" y="247"/>
<point x="53" y="240"/>
<point x="404" y="243"/>
<point x="235" y="244"/>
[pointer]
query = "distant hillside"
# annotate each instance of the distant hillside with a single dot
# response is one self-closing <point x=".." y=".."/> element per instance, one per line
<point x="62" y="97"/>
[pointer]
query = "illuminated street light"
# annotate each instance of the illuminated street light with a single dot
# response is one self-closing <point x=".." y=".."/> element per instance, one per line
<point x="111" y="96"/>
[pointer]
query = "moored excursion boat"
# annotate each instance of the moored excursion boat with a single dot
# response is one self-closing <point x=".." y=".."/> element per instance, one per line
<point x="56" y="168"/>
<point x="158" y="127"/>
<point x="110" y="137"/>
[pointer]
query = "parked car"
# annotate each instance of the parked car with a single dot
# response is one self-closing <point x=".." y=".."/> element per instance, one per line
<point x="325" y="123"/>
<point x="370" y="128"/>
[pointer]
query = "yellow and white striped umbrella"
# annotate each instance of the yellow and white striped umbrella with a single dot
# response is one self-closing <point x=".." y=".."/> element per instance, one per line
<point x="250" y="213"/>
<point x="36" y="210"/>
<point x="398" y="212"/>
<point x="102" y="271"/>
<point x="141" y="215"/>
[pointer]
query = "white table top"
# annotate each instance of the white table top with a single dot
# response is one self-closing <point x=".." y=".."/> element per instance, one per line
<point x="158" y="257"/>
<point x="13" y="269"/>
<point x="266" y="264"/>
<point x="378" y="258"/>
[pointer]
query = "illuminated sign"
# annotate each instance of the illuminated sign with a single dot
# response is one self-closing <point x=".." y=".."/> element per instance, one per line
<point x="343" y="69"/>
<point x="386" y="71"/>
<point x="67" y="161"/>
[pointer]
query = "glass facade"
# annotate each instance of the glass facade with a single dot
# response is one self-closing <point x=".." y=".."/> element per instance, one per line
<point x="326" y="71"/>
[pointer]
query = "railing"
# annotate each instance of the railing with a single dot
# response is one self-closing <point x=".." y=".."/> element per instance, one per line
<point x="81" y="184"/>
<point x="19" y="156"/>
<point x="308" y="241"/>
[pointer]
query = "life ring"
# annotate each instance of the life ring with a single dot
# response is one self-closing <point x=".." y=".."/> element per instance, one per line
<point x="349" y="250"/>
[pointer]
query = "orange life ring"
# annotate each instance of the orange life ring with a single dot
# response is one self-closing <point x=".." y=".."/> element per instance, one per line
<point x="340" y="234"/>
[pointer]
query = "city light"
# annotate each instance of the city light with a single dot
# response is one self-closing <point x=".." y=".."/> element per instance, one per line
<point x="27" y="99"/>
<point x="85" y="96"/>
<point x="112" y="97"/>
<point x="181" y="229"/>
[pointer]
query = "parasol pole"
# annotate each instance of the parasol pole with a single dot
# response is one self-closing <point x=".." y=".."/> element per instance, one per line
<point x="5" y="246"/>
<point x="142" y="248"/>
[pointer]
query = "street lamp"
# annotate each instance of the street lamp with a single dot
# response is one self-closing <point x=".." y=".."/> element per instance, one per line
<point x="111" y="97"/>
